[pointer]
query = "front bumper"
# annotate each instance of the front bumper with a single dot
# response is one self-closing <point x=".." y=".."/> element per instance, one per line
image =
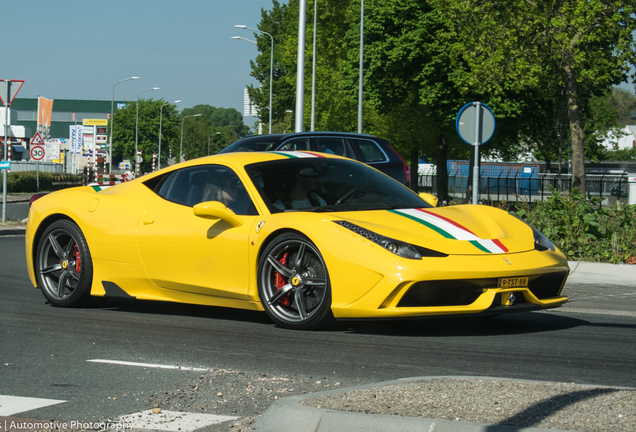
<point x="459" y="285"/>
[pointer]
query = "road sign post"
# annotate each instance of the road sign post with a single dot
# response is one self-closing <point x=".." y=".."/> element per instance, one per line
<point x="10" y="92"/>
<point x="38" y="152"/>
<point x="475" y="125"/>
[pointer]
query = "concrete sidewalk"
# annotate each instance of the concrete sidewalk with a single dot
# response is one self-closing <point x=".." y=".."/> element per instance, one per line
<point x="290" y="415"/>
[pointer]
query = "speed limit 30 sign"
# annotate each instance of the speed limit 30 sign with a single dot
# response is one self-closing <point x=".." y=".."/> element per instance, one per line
<point x="37" y="152"/>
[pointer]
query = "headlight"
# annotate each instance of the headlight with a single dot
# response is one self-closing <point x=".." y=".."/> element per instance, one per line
<point x="400" y="248"/>
<point x="541" y="242"/>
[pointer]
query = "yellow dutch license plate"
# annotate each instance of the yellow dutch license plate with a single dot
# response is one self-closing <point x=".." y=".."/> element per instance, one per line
<point x="513" y="282"/>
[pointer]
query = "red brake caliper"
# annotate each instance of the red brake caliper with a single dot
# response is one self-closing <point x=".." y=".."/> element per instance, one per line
<point x="78" y="261"/>
<point x="280" y="280"/>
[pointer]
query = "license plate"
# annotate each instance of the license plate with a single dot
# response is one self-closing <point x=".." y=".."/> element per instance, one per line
<point x="513" y="282"/>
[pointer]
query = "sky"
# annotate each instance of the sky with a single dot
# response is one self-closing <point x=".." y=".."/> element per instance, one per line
<point x="78" y="49"/>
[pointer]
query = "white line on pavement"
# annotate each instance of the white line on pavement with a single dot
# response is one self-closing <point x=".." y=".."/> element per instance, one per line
<point x="10" y="405"/>
<point x="172" y="421"/>
<point x="148" y="365"/>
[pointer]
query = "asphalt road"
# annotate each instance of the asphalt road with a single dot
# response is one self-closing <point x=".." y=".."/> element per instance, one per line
<point x="44" y="351"/>
<point x="16" y="211"/>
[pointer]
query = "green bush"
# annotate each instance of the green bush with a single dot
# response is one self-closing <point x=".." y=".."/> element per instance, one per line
<point x="583" y="230"/>
<point x="27" y="181"/>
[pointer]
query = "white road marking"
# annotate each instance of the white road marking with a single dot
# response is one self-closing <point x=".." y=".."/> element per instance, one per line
<point x="10" y="405"/>
<point x="148" y="365"/>
<point x="172" y="420"/>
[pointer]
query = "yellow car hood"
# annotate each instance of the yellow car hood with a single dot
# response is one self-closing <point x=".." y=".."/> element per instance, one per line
<point x="462" y="229"/>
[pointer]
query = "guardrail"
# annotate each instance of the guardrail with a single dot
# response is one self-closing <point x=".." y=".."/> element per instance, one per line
<point x="610" y="188"/>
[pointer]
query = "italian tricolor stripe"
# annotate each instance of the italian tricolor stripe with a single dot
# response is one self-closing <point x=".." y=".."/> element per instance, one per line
<point x="297" y="154"/>
<point x="451" y="230"/>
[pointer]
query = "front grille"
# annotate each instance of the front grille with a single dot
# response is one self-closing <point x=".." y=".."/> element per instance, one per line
<point x="465" y="292"/>
<point x="546" y="286"/>
<point x="444" y="293"/>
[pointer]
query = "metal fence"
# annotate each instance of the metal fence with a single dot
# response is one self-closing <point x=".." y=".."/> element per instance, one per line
<point x="610" y="188"/>
<point x="21" y="166"/>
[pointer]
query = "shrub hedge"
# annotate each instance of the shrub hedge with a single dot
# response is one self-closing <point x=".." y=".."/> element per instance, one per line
<point x="582" y="229"/>
<point x="27" y="182"/>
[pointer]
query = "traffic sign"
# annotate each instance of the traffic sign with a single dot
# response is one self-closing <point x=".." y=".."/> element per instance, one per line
<point x="37" y="139"/>
<point x="9" y="90"/>
<point x="475" y="125"/>
<point x="37" y="152"/>
<point x="467" y="125"/>
<point x="5" y="165"/>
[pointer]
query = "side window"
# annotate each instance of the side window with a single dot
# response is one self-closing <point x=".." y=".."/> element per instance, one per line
<point x="190" y="186"/>
<point x="184" y="186"/>
<point x="295" y="144"/>
<point x="370" y="150"/>
<point x="337" y="146"/>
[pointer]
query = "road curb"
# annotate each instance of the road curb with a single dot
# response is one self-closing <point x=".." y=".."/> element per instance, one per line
<point x="289" y="415"/>
<point x="11" y="231"/>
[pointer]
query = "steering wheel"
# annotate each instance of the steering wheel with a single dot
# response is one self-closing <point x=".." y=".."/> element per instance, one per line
<point x="353" y="193"/>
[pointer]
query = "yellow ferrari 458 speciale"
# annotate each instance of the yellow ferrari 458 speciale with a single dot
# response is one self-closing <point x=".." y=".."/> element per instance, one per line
<point x="307" y="237"/>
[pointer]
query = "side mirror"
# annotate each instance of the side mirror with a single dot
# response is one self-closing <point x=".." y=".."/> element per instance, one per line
<point x="429" y="198"/>
<point x="217" y="210"/>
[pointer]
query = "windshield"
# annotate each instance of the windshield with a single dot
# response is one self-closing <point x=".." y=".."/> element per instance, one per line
<point x="323" y="184"/>
<point x="253" y="144"/>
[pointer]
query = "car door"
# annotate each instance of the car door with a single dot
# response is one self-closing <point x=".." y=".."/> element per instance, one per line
<point x="184" y="252"/>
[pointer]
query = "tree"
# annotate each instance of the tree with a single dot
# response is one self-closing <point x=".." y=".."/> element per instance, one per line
<point x="196" y="132"/>
<point x="624" y="102"/>
<point x="220" y="118"/>
<point x="578" y="46"/>
<point x="125" y="127"/>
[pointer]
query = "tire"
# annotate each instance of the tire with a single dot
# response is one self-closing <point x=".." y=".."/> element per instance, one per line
<point x="292" y="272"/>
<point x="63" y="266"/>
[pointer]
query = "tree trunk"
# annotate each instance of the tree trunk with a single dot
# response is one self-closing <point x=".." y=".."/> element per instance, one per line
<point x="415" y="164"/>
<point x="576" y="131"/>
<point x="441" y="156"/>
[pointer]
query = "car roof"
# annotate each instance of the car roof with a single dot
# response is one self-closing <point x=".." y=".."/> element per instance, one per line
<point x="276" y="137"/>
<point x="240" y="159"/>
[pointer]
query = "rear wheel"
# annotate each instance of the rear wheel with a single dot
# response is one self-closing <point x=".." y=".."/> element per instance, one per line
<point x="293" y="283"/>
<point x="63" y="265"/>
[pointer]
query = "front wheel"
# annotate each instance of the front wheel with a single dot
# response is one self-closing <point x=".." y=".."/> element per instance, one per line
<point x="293" y="283"/>
<point x="63" y="265"/>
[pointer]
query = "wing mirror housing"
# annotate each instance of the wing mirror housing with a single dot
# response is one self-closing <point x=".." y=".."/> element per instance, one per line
<point x="429" y="198"/>
<point x="217" y="210"/>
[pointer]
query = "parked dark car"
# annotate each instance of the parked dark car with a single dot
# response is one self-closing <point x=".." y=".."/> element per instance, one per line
<point x="371" y="150"/>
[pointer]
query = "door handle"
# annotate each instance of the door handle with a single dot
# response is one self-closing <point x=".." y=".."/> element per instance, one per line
<point x="148" y="220"/>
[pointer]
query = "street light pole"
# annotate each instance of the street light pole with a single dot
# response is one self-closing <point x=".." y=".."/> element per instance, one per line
<point x="137" y="125"/>
<point x="300" y="70"/>
<point x="361" y="65"/>
<point x="313" y="72"/>
<point x="112" y="106"/>
<point x="181" y="148"/>
<point x="271" y="69"/>
<point x="160" y="117"/>
<point x="215" y="133"/>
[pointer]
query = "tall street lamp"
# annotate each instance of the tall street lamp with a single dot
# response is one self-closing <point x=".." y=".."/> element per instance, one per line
<point x="160" y="115"/>
<point x="300" y="70"/>
<point x="361" y="65"/>
<point x="271" y="69"/>
<point x="112" y="105"/>
<point x="313" y="72"/>
<point x="137" y="124"/>
<point x="181" y="148"/>
<point x="215" y="133"/>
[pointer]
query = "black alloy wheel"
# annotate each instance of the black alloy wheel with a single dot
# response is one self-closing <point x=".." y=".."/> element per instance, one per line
<point x="63" y="265"/>
<point x="293" y="283"/>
